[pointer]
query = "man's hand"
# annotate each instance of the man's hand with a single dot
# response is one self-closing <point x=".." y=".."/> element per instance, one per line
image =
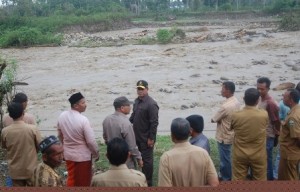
<point x="140" y="163"/>
<point x="150" y="143"/>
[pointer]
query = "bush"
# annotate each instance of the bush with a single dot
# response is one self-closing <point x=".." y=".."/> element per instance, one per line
<point x="26" y="36"/>
<point x="290" y="22"/>
<point x="164" y="36"/>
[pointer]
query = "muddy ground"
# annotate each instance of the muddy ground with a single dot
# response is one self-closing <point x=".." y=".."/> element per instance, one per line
<point x="184" y="77"/>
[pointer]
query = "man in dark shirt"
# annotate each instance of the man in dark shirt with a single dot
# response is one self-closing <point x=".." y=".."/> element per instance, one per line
<point x="145" y="121"/>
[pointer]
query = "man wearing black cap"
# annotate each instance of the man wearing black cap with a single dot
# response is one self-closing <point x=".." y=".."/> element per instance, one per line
<point x="28" y="118"/>
<point x="197" y="137"/>
<point x="45" y="174"/>
<point x="145" y="121"/>
<point x="118" y="125"/>
<point x="78" y="139"/>
<point x="21" y="141"/>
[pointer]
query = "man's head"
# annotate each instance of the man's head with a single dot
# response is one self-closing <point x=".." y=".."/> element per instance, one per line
<point x="15" y="110"/>
<point x="117" y="151"/>
<point x="122" y="104"/>
<point x="77" y="102"/>
<point x="251" y="97"/>
<point x="52" y="151"/>
<point x="142" y="88"/>
<point x="291" y="97"/>
<point x="196" y="123"/>
<point x="180" y="130"/>
<point x="228" y="89"/>
<point x="298" y="87"/>
<point x="21" y="98"/>
<point x="263" y="86"/>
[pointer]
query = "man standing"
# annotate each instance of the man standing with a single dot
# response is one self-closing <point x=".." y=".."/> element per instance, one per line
<point x="273" y="128"/>
<point x="145" y="121"/>
<point x="28" y="118"/>
<point x="249" y="145"/>
<point x="290" y="138"/>
<point x="118" y="125"/>
<point x="22" y="143"/>
<point x="52" y="156"/>
<point x="224" y="135"/>
<point x="197" y="137"/>
<point x="78" y="139"/>
<point x="119" y="175"/>
<point x="185" y="165"/>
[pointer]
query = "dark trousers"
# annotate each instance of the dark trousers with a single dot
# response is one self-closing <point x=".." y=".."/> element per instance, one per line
<point x="147" y="155"/>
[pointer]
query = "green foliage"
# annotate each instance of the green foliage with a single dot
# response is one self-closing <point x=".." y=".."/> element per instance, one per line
<point x="8" y="77"/>
<point x="281" y="6"/>
<point x="26" y="36"/>
<point x="147" y="41"/>
<point x="226" y="7"/>
<point x="164" y="36"/>
<point x="290" y="22"/>
<point x="178" y="32"/>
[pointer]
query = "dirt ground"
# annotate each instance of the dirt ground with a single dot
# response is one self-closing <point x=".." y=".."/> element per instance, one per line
<point x="184" y="78"/>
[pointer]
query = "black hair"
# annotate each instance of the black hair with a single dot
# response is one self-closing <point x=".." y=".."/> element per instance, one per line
<point x="180" y="129"/>
<point x="229" y="86"/>
<point x="294" y="95"/>
<point x="20" y="98"/>
<point x="196" y="122"/>
<point x="117" y="151"/>
<point x="15" y="110"/>
<point x="251" y="96"/>
<point x="298" y="87"/>
<point x="265" y="80"/>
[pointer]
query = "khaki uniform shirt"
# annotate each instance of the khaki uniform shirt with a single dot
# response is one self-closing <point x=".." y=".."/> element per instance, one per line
<point x="271" y="106"/>
<point x="28" y="118"/>
<point x="120" y="176"/>
<point x="21" y="141"/>
<point x="289" y="133"/>
<point x="118" y="125"/>
<point x="249" y="125"/>
<point x="45" y="176"/>
<point x="185" y="165"/>
<point x="223" y="120"/>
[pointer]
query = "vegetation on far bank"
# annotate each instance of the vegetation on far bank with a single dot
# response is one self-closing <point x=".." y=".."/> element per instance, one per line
<point x="40" y="22"/>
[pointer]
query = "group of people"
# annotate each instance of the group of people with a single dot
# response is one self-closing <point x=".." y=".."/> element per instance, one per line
<point x="246" y="137"/>
<point x="250" y="133"/>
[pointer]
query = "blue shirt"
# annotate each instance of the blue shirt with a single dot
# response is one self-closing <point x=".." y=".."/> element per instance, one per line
<point x="201" y="141"/>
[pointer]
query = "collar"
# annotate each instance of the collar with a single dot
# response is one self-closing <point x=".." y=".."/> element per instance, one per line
<point x="183" y="144"/>
<point x="194" y="139"/>
<point x="120" y="114"/>
<point x="122" y="166"/>
<point x="250" y="107"/>
<point x="293" y="109"/>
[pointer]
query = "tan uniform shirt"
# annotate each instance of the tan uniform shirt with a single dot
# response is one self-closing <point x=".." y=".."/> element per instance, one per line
<point x="289" y="132"/>
<point x="223" y="119"/>
<point x="21" y="141"/>
<point x="120" y="176"/>
<point x="28" y="118"/>
<point x="185" y="165"/>
<point x="249" y="126"/>
<point x="45" y="176"/>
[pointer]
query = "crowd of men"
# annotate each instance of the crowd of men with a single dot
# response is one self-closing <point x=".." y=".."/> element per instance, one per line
<point x="245" y="136"/>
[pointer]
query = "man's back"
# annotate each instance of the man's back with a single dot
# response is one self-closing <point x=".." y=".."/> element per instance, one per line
<point x="120" y="176"/>
<point x="21" y="141"/>
<point x="185" y="166"/>
<point x="249" y="126"/>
